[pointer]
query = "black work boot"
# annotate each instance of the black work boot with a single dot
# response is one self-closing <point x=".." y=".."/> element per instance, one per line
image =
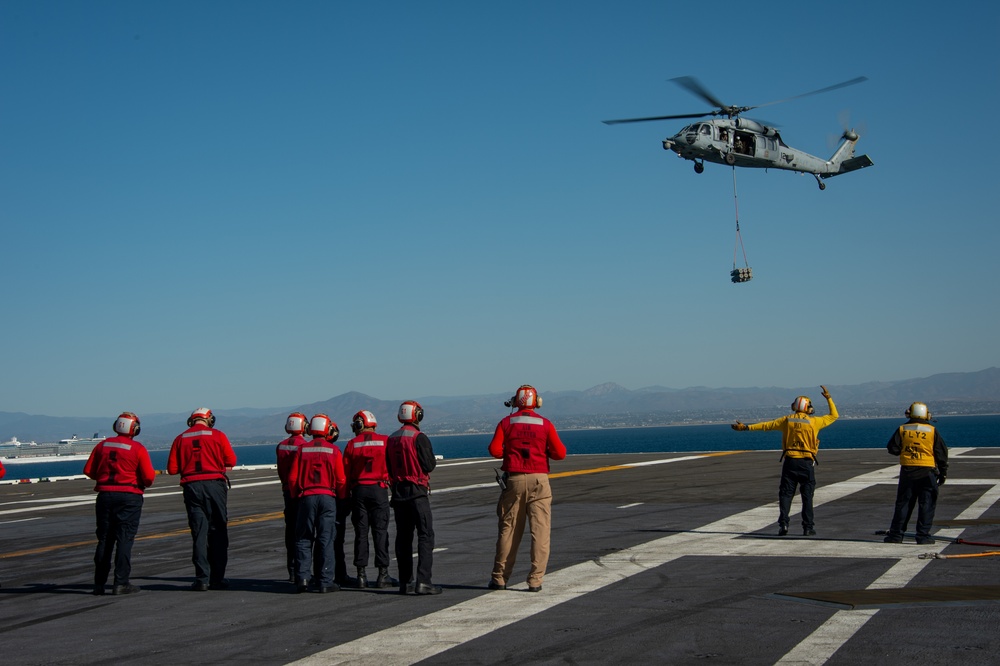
<point x="362" y="578"/>
<point x="383" y="581"/>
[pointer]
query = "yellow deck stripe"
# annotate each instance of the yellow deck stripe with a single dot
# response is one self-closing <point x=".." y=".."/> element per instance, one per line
<point x="274" y="515"/>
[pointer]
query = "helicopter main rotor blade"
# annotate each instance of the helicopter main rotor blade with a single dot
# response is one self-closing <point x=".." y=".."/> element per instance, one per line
<point x="844" y="84"/>
<point x="642" y="120"/>
<point x="694" y="86"/>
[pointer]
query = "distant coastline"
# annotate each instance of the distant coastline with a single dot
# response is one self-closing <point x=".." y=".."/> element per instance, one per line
<point x="607" y="406"/>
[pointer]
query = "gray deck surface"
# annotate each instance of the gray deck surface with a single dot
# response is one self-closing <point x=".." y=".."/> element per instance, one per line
<point x="668" y="563"/>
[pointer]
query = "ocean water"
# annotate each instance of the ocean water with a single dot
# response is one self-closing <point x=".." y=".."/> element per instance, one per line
<point x="964" y="431"/>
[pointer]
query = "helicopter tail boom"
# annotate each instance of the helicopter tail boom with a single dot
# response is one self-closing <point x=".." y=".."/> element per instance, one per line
<point x="850" y="165"/>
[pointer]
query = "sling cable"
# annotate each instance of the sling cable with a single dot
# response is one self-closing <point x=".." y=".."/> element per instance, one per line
<point x="745" y="274"/>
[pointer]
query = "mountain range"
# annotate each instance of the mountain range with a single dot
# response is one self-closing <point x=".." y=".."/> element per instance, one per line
<point x="603" y="406"/>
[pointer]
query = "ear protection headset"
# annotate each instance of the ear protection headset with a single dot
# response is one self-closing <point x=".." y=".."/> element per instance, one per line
<point x="203" y="414"/>
<point x="127" y="424"/>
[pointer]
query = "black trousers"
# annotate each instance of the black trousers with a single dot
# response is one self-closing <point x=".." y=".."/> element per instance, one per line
<point x="340" y="559"/>
<point x="371" y="512"/>
<point x="414" y="514"/>
<point x="209" y="522"/>
<point x="918" y="487"/>
<point x="117" y="523"/>
<point x="797" y="472"/>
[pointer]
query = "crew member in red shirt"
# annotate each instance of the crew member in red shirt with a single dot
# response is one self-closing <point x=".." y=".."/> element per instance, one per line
<point x="202" y="455"/>
<point x="368" y="483"/>
<point x="286" y="454"/>
<point x="409" y="458"/>
<point x="122" y="469"/>
<point x="318" y="482"/>
<point x="526" y="441"/>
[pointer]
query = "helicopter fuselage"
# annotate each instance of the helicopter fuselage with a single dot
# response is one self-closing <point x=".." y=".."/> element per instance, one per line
<point x="746" y="143"/>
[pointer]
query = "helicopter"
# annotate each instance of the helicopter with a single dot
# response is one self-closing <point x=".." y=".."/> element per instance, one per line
<point x="742" y="142"/>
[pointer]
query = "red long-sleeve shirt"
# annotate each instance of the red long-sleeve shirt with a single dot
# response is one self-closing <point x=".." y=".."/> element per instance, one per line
<point x="286" y="454"/>
<point x="526" y="441"/>
<point x="201" y="453"/>
<point x="121" y="465"/>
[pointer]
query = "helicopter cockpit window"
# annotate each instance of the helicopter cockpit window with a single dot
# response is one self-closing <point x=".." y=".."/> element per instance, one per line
<point x="705" y="129"/>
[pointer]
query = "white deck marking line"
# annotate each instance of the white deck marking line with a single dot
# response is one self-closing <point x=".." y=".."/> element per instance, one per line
<point x="77" y="500"/>
<point x="629" y="506"/>
<point x="434" y="633"/>
<point x="66" y="502"/>
<point x="819" y="646"/>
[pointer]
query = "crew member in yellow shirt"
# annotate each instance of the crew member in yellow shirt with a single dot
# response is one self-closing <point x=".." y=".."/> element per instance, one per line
<point x="923" y="459"/>
<point x="799" y="446"/>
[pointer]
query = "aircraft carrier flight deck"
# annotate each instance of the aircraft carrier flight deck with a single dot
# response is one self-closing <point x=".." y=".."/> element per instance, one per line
<point x="668" y="558"/>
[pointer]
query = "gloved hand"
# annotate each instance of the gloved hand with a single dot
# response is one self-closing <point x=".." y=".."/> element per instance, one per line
<point x="739" y="426"/>
<point x="940" y="479"/>
<point x="826" y="394"/>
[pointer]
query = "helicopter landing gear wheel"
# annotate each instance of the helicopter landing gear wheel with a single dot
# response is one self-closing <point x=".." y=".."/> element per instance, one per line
<point x="822" y="185"/>
<point x="730" y="159"/>
<point x="699" y="167"/>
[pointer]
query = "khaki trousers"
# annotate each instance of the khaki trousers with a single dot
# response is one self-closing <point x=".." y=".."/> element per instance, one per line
<point x="527" y="497"/>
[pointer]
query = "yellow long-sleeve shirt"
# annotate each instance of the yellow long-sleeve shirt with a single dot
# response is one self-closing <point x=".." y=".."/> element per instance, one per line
<point x="799" y="431"/>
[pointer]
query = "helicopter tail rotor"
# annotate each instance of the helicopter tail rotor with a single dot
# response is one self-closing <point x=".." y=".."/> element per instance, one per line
<point x="850" y="133"/>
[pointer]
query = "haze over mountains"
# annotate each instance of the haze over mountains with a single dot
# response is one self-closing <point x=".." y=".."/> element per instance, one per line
<point x="603" y="406"/>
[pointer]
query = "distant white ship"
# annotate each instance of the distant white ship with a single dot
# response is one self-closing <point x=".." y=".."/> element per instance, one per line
<point x="14" y="443"/>
<point x="71" y="448"/>
<point x="90" y="441"/>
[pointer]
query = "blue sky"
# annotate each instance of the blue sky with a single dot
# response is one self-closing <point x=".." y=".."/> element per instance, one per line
<point x="255" y="204"/>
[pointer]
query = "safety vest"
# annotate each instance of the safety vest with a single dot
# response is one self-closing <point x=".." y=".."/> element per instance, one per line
<point x="317" y="468"/>
<point x="799" y="439"/>
<point x="918" y="445"/>
<point x="525" y="439"/>
<point x="365" y="460"/>
<point x="401" y="452"/>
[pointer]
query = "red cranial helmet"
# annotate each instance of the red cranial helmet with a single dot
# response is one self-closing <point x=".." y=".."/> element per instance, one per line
<point x="363" y="419"/>
<point x="410" y="412"/>
<point x="127" y="424"/>
<point x="526" y="397"/>
<point x="202" y="414"/>
<point x="321" y="426"/>
<point x="296" y="423"/>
